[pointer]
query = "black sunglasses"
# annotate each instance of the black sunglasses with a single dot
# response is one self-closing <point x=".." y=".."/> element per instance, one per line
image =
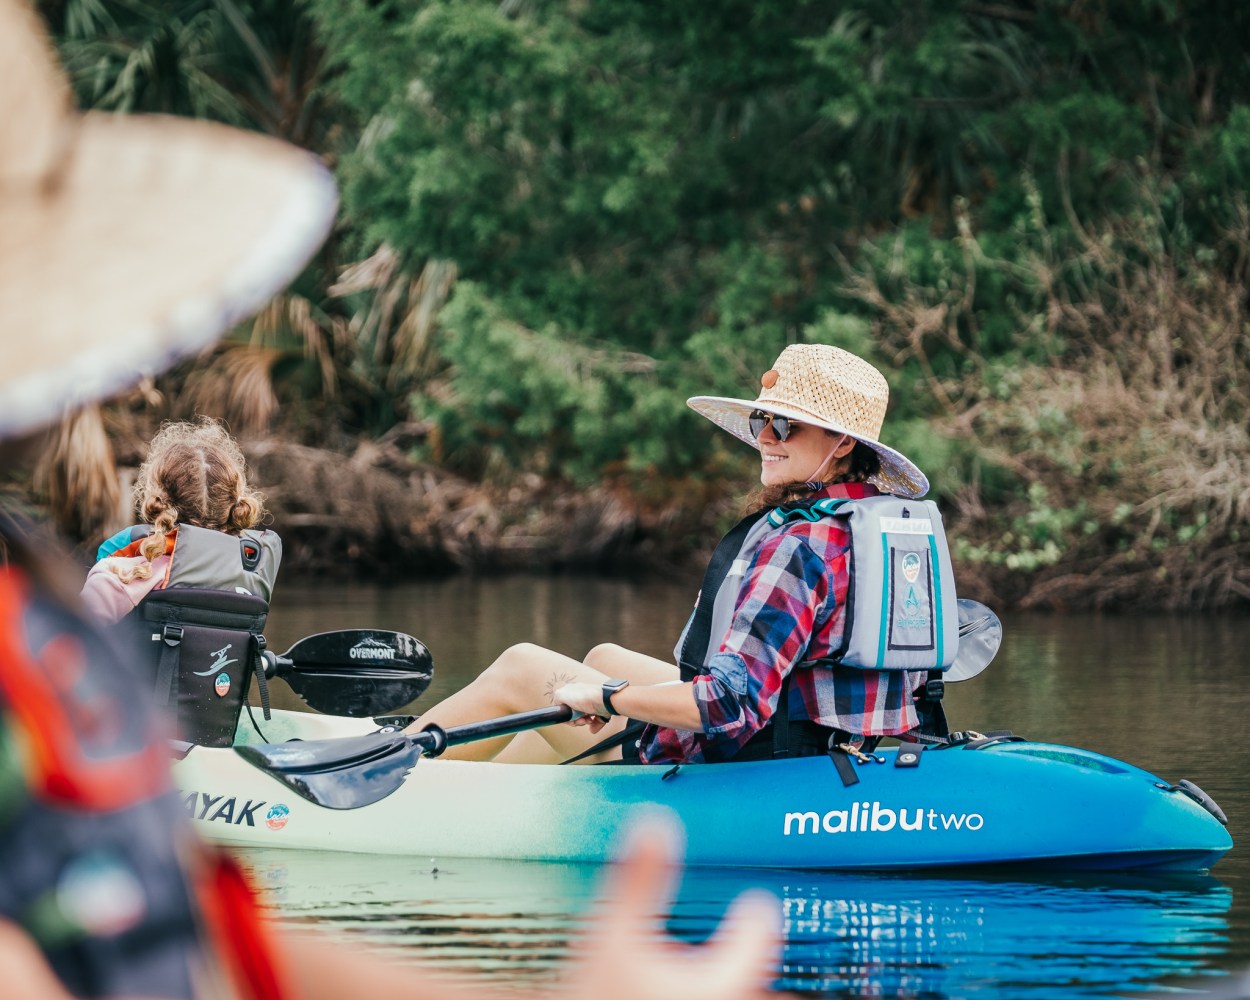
<point x="782" y="426"/>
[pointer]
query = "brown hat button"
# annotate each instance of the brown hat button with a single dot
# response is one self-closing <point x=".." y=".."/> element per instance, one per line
<point x="769" y="378"/>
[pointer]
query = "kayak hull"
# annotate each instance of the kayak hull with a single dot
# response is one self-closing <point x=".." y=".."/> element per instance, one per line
<point x="1001" y="804"/>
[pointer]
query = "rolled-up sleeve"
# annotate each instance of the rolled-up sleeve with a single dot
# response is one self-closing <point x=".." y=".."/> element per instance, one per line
<point x="783" y="593"/>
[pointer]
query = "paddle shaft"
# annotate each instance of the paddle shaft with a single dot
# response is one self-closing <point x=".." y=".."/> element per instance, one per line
<point x="434" y="739"/>
<point x="278" y="665"/>
<point x="354" y="771"/>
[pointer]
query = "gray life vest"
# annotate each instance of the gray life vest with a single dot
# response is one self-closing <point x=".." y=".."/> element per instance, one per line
<point x="205" y="629"/>
<point x="246" y="563"/>
<point x="901" y="607"/>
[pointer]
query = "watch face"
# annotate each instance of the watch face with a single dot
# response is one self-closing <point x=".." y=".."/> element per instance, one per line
<point x="611" y="688"/>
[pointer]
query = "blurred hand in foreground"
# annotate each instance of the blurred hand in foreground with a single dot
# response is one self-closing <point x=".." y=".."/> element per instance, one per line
<point x="624" y="952"/>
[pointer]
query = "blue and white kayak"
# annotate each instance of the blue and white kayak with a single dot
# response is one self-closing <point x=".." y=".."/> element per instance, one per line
<point x="987" y="803"/>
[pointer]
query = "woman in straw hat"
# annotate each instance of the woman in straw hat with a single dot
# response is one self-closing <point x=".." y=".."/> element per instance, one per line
<point x="775" y="597"/>
<point x="124" y="243"/>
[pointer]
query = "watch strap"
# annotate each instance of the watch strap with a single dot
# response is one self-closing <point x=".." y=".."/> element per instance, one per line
<point x="609" y="689"/>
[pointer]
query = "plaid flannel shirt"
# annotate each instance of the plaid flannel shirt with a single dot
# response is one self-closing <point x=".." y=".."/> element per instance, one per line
<point x="791" y="609"/>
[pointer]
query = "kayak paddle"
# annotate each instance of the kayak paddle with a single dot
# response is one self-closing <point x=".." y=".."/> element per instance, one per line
<point x="980" y="635"/>
<point x="354" y="771"/>
<point x="354" y="672"/>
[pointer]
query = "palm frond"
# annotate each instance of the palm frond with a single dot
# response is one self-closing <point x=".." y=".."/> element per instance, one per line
<point x="78" y="476"/>
<point x="234" y="383"/>
<point x="395" y="329"/>
<point x="411" y="342"/>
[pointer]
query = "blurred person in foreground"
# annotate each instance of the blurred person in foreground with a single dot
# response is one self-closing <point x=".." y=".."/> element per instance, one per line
<point x="124" y="244"/>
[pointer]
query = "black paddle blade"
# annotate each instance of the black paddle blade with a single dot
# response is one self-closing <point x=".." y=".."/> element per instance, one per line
<point x="357" y="672"/>
<point x="341" y="773"/>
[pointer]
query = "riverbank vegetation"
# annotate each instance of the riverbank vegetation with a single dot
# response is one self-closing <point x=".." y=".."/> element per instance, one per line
<point x="560" y="220"/>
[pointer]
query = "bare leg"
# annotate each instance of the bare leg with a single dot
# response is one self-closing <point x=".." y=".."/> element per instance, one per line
<point x="525" y="677"/>
<point x="528" y="748"/>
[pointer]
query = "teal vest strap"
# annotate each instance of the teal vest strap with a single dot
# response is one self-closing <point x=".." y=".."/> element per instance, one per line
<point x="806" y="511"/>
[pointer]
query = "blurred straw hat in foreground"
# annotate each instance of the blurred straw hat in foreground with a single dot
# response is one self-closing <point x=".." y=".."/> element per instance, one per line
<point x="127" y="242"/>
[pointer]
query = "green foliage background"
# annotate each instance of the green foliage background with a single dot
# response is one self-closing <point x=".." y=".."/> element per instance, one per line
<point x="1029" y="214"/>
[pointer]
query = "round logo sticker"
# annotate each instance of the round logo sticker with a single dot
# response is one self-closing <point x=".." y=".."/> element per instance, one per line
<point x="911" y="566"/>
<point x="222" y="685"/>
<point x="277" y="816"/>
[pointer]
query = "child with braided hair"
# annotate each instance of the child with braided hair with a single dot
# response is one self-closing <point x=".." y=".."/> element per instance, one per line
<point x="199" y="516"/>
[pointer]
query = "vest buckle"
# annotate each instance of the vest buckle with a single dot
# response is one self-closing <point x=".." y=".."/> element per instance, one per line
<point x="171" y="634"/>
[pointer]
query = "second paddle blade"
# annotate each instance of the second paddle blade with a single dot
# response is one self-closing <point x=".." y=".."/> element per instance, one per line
<point x="358" y="672"/>
<point x="980" y="635"/>
<point x="360" y="694"/>
<point x="342" y="773"/>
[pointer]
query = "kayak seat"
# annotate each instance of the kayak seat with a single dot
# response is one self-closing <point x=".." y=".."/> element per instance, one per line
<point x="201" y="648"/>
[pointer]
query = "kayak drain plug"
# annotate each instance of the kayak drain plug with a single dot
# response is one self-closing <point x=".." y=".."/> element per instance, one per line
<point x="1198" y="795"/>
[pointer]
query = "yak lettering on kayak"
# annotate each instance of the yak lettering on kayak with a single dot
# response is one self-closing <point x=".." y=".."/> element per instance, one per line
<point x="873" y="817"/>
<point x="229" y="812"/>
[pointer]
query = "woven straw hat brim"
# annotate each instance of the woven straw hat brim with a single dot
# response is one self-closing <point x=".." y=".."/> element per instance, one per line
<point x="127" y="242"/>
<point x="898" y="474"/>
<point x="154" y="237"/>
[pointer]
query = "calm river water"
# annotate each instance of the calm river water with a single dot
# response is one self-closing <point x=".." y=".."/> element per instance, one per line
<point x="1167" y="694"/>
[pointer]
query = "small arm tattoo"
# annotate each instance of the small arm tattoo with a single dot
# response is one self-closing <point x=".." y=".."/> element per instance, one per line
<point x="558" y="680"/>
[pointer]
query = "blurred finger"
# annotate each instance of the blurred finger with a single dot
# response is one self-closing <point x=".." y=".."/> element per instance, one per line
<point x="26" y="971"/>
<point x="641" y="883"/>
<point x="746" y="949"/>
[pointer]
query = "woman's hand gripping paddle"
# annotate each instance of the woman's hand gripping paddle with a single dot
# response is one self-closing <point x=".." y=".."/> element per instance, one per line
<point x="356" y="771"/>
<point x="354" y="672"/>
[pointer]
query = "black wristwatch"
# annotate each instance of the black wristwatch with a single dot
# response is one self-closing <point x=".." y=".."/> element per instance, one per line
<point x="610" y="688"/>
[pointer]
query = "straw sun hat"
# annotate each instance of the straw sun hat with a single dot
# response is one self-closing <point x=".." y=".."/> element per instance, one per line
<point x="822" y="386"/>
<point x="129" y="241"/>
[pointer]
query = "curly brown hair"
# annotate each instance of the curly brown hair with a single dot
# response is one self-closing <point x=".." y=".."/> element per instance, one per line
<point x="194" y="474"/>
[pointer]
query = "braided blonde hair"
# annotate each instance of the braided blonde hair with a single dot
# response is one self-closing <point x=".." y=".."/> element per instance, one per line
<point x="194" y="474"/>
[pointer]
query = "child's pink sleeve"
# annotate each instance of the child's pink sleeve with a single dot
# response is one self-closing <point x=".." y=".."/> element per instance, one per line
<point x="108" y="599"/>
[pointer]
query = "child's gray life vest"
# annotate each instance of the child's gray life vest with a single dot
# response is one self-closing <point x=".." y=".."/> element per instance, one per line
<point x="205" y="629"/>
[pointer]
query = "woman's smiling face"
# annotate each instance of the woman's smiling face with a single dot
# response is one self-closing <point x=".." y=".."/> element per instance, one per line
<point x="801" y="456"/>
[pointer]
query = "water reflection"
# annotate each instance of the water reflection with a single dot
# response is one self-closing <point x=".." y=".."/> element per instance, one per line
<point x="1165" y="693"/>
<point x="499" y="920"/>
<point x="846" y="935"/>
<point x="938" y="937"/>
